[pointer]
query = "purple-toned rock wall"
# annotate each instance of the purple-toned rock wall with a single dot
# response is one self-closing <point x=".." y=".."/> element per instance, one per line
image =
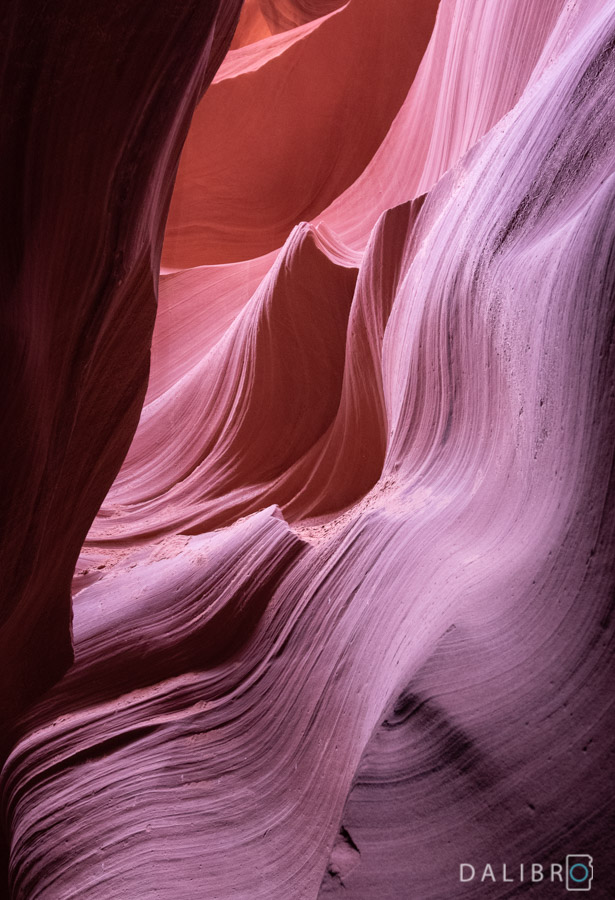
<point x="342" y="561"/>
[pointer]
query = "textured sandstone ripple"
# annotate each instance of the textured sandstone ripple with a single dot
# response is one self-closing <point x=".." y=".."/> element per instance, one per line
<point x="344" y="619"/>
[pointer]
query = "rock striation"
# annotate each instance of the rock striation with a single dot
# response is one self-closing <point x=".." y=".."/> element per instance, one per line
<point x="343" y="619"/>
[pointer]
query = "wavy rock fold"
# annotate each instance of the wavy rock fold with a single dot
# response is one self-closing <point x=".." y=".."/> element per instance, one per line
<point x="343" y="619"/>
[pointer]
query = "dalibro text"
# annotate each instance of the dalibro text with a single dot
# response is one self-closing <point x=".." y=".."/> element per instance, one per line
<point x="503" y="872"/>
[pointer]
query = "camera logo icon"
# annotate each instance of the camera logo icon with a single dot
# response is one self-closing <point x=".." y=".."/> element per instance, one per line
<point x="579" y="872"/>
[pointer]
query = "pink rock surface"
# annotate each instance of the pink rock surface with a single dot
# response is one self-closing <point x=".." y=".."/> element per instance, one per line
<point x="262" y="18"/>
<point x="334" y="84"/>
<point x="344" y="619"/>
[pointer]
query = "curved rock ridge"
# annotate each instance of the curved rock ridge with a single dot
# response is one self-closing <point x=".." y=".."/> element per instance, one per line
<point x="195" y="308"/>
<point x="261" y="18"/>
<point x="308" y="111"/>
<point x="267" y="184"/>
<point x="344" y="620"/>
<point x="429" y="134"/>
<point x="319" y="458"/>
<point x="257" y="403"/>
<point x="96" y="104"/>
<point x="456" y="97"/>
